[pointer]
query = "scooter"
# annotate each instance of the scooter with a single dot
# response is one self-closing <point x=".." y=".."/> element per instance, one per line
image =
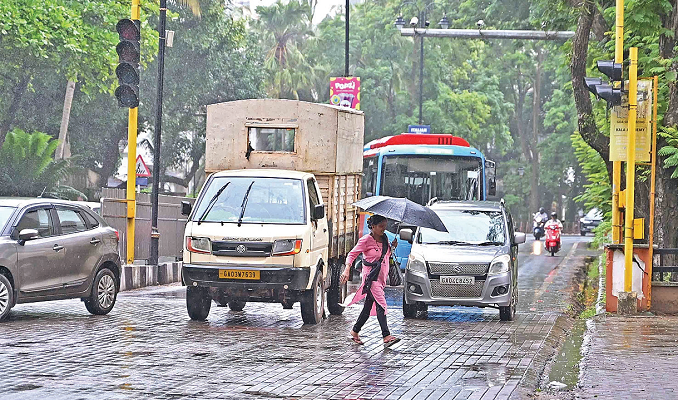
<point x="552" y="241"/>
<point x="538" y="230"/>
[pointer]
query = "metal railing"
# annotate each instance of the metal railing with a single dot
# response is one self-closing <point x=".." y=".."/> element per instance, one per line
<point x="668" y="264"/>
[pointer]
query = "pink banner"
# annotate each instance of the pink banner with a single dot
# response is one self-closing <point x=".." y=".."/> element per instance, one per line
<point x="345" y="92"/>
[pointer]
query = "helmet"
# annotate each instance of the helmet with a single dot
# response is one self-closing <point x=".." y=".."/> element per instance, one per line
<point x="541" y="210"/>
<point x="554" y="215"/>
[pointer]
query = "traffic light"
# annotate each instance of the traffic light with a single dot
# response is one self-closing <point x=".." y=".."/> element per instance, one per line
<point x="127" y="70"/>
<point x="609" y="92"/>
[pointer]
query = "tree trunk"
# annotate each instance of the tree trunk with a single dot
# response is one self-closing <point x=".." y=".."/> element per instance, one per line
<point x="17" y="94"/>
<point x="65" y="117"/>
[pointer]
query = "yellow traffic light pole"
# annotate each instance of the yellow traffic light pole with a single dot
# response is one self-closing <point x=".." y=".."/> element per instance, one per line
<point x="630" y="169"/>
<point x="131" y="160"/>
<point x="617" y="165"/>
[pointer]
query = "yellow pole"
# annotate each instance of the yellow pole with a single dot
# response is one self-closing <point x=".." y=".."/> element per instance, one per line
<point x="653" y="177"/>
<point x="132" y="161"/>
<point x="616" y="165"/>
<point x="630" y="168"/>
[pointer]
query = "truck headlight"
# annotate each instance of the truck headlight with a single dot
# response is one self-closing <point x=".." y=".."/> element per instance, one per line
<point x="286" y="247"/>
<point x="201" y="245"/>
<point x="416" y="264"/>
<point x="500" y="265"/>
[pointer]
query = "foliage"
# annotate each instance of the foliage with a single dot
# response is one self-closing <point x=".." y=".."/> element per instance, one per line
<point x="27" y="168"/>
<point x="670" y="150"/>
<point x="598" y="191"/>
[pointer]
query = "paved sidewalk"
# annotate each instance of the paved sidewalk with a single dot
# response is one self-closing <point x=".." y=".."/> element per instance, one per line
<point x="631" y="358"/>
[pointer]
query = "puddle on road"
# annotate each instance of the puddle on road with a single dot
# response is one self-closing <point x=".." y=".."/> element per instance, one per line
<point x="565" y="369"/>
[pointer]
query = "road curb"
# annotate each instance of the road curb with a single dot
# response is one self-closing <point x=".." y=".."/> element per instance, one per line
<point x="138" y="276"/>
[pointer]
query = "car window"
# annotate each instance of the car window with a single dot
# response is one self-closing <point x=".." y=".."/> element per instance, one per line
<point x="466" y="227"/>
<point x="312" y="194"/>
<point x="39" y="220"/>
<point x="5" y="214"/>
<point x="71" y="221"/>
<point x="91" y="220"/>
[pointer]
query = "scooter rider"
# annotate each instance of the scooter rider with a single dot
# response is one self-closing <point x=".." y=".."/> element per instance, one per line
<point x="554" y="220"/>
<point x="540" y="217"/>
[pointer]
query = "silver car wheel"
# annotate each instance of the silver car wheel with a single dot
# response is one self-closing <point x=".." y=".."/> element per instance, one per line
<point x="106" y="291"/>
<point x="4" y="298"/>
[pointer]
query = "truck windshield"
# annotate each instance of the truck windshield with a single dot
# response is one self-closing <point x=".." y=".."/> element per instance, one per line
<point x="5" y="213"/>
<point x="423" y="177"/>
<point x="270" y="201"/>
<point x="467" y="227"/>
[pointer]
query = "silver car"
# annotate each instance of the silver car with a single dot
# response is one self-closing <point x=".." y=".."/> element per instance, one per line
<point x="52" y="250"/>
<point x="474" y="264"/>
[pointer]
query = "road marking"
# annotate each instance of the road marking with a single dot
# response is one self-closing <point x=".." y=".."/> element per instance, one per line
<point x="552" y="274"/>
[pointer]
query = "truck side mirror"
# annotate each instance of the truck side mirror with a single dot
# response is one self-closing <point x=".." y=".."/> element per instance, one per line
<point x="406" y="234"/>
<point x="319" y="212"/>
<point x="186" y="207"/>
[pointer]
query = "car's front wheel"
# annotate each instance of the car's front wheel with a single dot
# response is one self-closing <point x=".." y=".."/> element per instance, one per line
<point x="508" y="313"/>
<point x="198" y="302"/>
<point x="6" y="297"/>
<point x="409" y="310"/>
<point x="104" y="292"/>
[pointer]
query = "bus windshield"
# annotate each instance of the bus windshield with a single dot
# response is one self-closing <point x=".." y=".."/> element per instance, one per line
<point x="423" y="177"/>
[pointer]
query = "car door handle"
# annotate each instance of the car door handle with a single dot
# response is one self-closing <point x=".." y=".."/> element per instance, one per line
<point x="95" y="241"/>
<point x="57" y="247"/>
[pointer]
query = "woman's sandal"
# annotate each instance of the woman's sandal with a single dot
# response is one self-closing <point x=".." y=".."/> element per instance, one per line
<point x="356" y="340"/>
<point x="391" y="341"/>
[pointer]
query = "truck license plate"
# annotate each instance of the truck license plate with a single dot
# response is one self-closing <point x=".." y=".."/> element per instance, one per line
<point x="457" y="280"/>
<point x="239" y="274"/>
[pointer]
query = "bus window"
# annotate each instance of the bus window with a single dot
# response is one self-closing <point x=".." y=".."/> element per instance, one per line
<point x="369" y="176"/>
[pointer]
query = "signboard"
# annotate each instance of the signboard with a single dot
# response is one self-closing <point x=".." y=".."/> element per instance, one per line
<point x="619" y="125"/>
<point x="345" y="92"/>
<point x="142" y="181"/>
<point x="418" y="128"/>
<point x="142" y="168"/>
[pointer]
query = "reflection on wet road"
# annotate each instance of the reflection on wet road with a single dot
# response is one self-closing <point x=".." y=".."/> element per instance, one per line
<point x="148" y="347"/>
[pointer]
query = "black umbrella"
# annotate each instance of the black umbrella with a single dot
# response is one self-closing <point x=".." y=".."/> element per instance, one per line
<point x="402" y="210"/>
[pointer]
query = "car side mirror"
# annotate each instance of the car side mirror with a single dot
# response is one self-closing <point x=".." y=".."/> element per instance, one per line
<point x="186" y="207"/>
<point x="28" y="234"/>
<point x="519" y="237"/>
<point x="318" y="212"/>
<point x="406" y="234"/>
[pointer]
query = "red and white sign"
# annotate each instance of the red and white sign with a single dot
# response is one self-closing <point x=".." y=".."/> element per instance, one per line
<point x="142" y="168"/>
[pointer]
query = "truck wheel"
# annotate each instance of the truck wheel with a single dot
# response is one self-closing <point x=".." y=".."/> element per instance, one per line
<point x="313" y="302"/>
<point x="236" y="305"/>
<point x="6" y="297"/>
<point x="198" y="302"/>
<point x="337" y="293"/>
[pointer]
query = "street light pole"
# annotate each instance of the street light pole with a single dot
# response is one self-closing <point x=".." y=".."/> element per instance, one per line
<point x="348" y="6"/>
<point x="421" y="68"/>
<point x="155" y="234"/>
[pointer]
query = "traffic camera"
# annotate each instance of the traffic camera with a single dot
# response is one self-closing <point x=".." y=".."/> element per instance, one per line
<point x="127" y="70"/>
<point x="612" y="93"/>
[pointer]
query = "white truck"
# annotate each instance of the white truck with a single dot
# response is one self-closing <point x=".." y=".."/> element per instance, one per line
<point x="274" y="220"/>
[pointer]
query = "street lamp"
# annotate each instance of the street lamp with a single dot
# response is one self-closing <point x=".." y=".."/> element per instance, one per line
<point x="420" y="22"/>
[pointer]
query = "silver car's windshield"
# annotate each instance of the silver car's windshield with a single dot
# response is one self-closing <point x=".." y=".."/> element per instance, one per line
<point x="270" y="200"/>
<point x="467" y="227"/>
<point x="5" y="213"/>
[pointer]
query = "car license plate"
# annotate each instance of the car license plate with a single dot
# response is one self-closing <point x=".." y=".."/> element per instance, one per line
<point x="457" y="280"/>
<point x="239" y="274"/>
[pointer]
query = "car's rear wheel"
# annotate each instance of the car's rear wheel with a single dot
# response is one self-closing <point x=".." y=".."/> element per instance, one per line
<point x="337" y="292"/>
<point x="313" y="302"/>
<point x="236" y="305"/>
<point x="104" y="292"/>
<point x="6" y="297"/>
<point x="198" y="302"/>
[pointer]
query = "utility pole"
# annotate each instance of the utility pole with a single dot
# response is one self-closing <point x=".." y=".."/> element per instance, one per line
<point x="617" y="165"/>
<point x="348" y="6"/>
<point x="155" y="233"/>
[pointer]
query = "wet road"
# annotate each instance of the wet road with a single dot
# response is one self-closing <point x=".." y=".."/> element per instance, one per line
<point x="148" y="348"/>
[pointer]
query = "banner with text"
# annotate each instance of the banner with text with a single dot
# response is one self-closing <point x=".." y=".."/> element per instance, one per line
<point x="619" y="125"/>
<point x="345" y="92"/>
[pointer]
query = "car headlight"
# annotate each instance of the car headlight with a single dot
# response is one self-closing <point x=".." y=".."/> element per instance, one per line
<point x="201" y="245"/>
<point x="500" y="265"/>
<point x="286" y="247"/>
<point x="416" y="264"/>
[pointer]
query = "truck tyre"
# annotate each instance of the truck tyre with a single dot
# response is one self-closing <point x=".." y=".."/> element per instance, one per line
<point x="6" y="297"/>
<point x="313" y="302"/>
<point x="236" y="305"/>
<point x="198" y="302"/>
<point x="337" y="293"/>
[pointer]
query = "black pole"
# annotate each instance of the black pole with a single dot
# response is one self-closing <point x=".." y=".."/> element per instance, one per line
<point x="421" y="67"/>
<point x="155" y="234"/>
<point x="348" y="6"/>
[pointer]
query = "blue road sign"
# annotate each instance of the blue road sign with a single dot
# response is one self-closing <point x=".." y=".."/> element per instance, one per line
<point x="142" y="181"/>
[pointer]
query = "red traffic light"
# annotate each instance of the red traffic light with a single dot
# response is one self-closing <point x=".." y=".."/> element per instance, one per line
<point x="128" y="30"/>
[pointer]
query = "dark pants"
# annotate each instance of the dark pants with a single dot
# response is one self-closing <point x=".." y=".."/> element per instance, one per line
<point x="365" y="314"/>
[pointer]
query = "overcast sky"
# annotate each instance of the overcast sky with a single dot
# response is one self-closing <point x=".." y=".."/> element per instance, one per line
<point x="324" y="7"/>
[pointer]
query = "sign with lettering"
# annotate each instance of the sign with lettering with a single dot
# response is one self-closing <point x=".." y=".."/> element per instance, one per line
<point x="619" y="125"/>
<point x="418" y="128"/>
<point x="345" y="92"/>
<point x="142" y="168"/>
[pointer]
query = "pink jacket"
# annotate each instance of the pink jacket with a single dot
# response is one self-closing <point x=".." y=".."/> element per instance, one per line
<point x="371" y="250"/>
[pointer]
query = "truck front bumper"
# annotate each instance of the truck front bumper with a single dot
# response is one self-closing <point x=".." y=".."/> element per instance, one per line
<point x="279" y="278"/>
